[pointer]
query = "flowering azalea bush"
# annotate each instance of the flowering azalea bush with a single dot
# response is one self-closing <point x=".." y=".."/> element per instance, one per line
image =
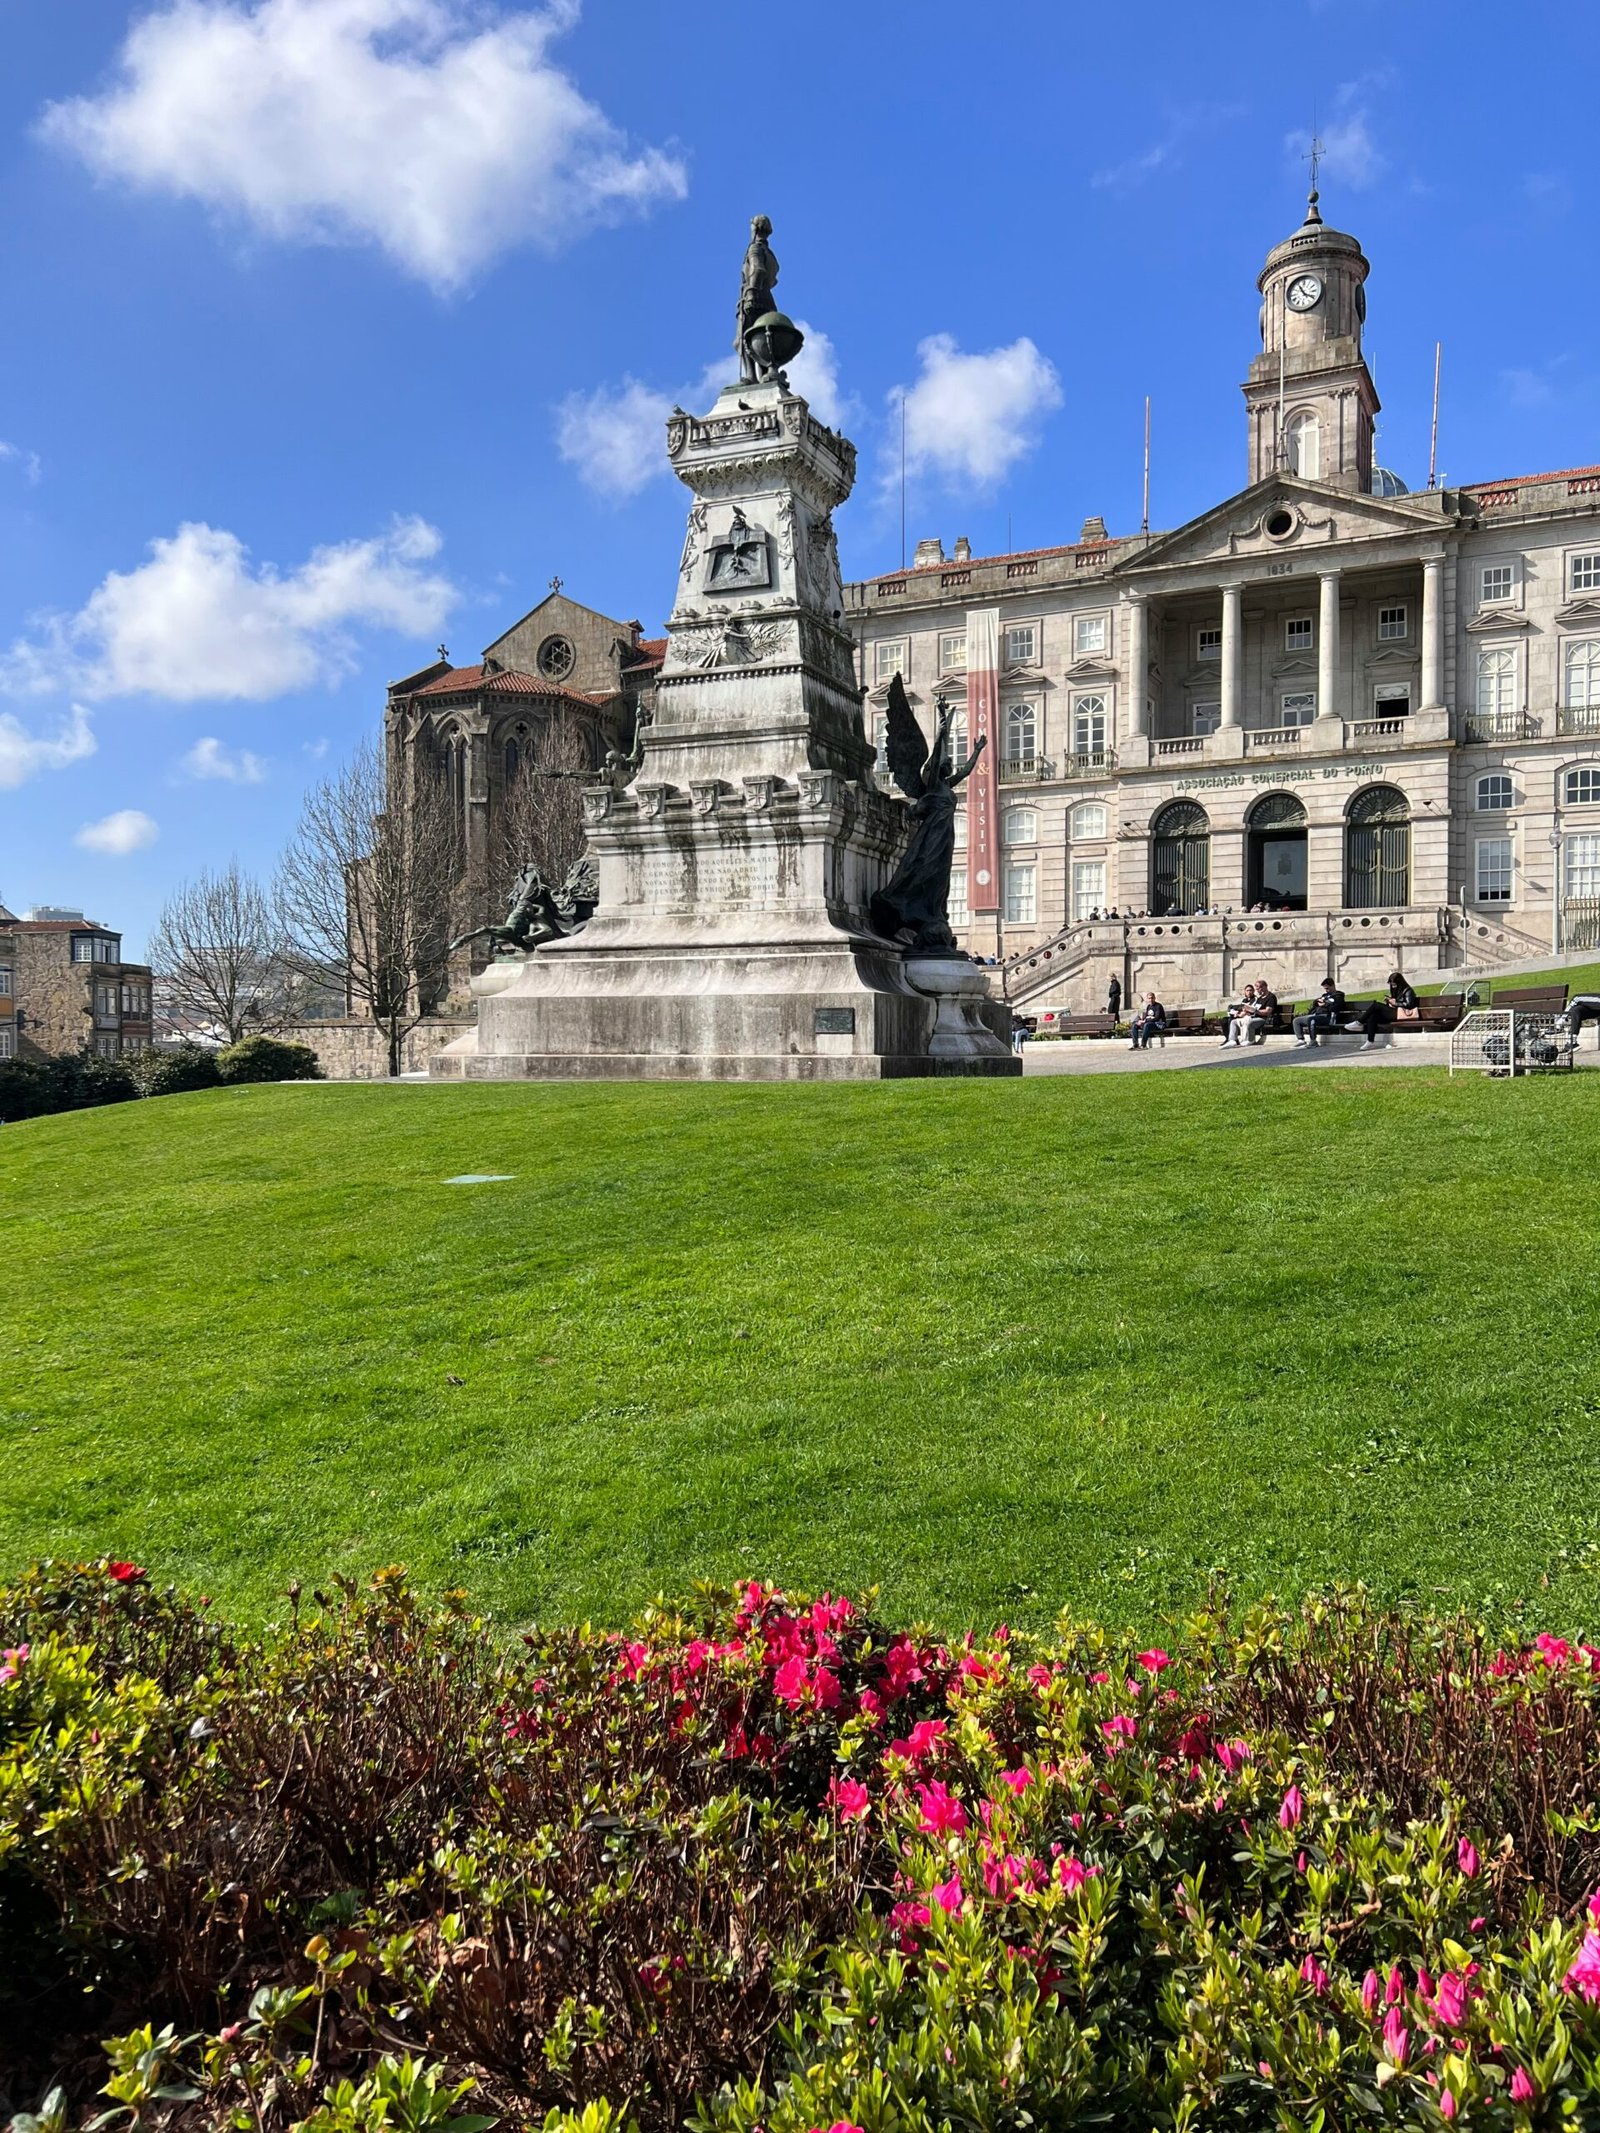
<point x="770" y="1863"/>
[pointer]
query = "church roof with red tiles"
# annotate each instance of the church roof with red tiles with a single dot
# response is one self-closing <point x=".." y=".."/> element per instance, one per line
<point x="504" y="681"/>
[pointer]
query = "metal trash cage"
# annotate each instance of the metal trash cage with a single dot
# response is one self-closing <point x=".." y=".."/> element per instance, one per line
<point x="1508" y="1041"/>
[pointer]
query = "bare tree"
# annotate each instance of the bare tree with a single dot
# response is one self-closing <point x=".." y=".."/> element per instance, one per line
<point x="214" y="953"/>
<point x="541" y="812"/>
<point x="364" y="888"/>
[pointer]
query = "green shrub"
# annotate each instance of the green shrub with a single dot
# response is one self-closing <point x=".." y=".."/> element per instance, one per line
<point x="268" y="1059"/>
<point x="772" y="1865"/>
<point x="37" y="1088"/>
<point x="175" y="1071"/>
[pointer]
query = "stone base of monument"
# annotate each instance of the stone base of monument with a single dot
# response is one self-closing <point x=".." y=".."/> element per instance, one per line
<point x="842" y="1010"/>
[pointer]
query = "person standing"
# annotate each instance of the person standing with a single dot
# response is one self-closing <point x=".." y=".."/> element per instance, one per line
<point x="1114" y="998"/>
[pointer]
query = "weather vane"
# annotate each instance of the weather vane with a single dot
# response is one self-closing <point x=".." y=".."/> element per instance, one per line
<point x="1313" y="156"/>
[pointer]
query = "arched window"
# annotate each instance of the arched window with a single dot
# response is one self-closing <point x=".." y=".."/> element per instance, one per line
<point x="1180" y="858"/>
<point x="1089" y="820"/>
<point x="1020" y="825"/>
<point x="1582" y="788"/>
<point x="516" y="741"/>
<point x="1303" y="439"/>
<point x="1277" y="811"/>
<point x="1497" y="684"/>
<point x="1583" y="674"/>
<point x="1089" y="725"/>
<point x="1275" y="853"/>
<point x="1377" y="850"/>
<point x="1493" y="792"/>
<point x="1022" y="733"/>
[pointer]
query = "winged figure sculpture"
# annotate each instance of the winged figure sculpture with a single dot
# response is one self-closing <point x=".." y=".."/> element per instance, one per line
<point x="914" y="906"/>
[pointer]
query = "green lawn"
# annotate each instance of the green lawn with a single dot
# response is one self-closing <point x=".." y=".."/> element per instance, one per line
<point x="997" y="1347"/>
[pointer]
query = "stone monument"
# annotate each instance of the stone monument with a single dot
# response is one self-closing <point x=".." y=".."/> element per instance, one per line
<point x="739" y="851"/>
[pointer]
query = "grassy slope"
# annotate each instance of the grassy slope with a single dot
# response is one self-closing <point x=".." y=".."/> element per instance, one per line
<point x="999" y="1347"/>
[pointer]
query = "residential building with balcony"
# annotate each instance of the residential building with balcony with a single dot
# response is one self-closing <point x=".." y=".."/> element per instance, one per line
<point x="1329" y="727"/>
<point x="73" y="991"/>
<point x="8" y="984"/>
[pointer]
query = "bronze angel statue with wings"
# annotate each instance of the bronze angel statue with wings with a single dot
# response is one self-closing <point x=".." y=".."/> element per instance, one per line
<point x="914" y="906"/>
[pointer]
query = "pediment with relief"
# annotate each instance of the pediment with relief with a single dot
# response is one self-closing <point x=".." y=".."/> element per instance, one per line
<point x="1497" y="622"/>
<point x="1284" y="516"/>
<point x="1579" y="614"/>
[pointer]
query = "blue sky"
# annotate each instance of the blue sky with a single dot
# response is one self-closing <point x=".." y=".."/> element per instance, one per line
<point x="336" y="327"/>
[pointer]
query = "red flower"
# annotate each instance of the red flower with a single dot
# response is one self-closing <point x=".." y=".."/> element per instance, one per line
<point x="126" y="1573"/>
<point x="942" y="1812"/>
<point x="851" y="1798"/>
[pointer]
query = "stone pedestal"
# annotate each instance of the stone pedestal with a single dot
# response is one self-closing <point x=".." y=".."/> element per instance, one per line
<point x="731" y="939"/>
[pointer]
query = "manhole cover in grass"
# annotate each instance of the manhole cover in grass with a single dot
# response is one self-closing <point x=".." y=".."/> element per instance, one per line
<point x="483" y="1177"/>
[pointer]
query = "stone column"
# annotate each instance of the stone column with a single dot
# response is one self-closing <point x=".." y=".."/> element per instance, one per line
<point x="1328" y="705"/>
<point x="1231" y="598"/>
<point x="1136" y="625"/>
<point x="1432" y="633"/>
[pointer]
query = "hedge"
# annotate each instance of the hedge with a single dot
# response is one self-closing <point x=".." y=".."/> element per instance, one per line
<point x="774" y="1863"/>
<point x="35" y="1089"/>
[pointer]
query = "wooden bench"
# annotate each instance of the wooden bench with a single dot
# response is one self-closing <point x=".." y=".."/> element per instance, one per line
<point x="1101" y="1025"/>
<point x="1537" y="999"/>
<point x="1435" y="1016"/>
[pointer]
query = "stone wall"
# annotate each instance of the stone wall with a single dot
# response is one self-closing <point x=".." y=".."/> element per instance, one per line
<point x="355" y="1050"/>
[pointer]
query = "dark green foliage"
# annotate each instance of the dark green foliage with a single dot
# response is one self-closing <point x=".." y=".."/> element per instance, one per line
<point x="178" y="1070"/>
<point x="35" y="1089"/>
<point x="268" y="1059"/>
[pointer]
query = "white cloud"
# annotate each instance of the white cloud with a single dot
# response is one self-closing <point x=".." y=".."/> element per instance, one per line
<point x="616" y="435"/>
<point x="23" y="755"/>
<point x="438" y="130"/>
<point x="1349" y="154"/>
<point x="29" y="462"/>
<point x="208" y="758"/>
<point x="970" y="418"/>
<point x="128" y="830"/>
<point x="200" y="620"/>
<point x="1166" y="152"/>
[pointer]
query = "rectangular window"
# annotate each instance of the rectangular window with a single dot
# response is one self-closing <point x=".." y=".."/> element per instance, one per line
<point x="107" y="1046"/>
<point x="1298" y="708"/>
<point x="1393" y="622"/>
<point x="1204" y="718"/>
<point x="889" y="659"/>
<point x="1498" y="582"/>
<point x="7" y="981"/>
<point x="1208" y="643"/>
<point x="1088" y="888"/>
<point x="82" y="950"/>
<point x="1494" y="870"/>
<point x="1089" y="634"/>
<point x="8" y="1041"/>
<point x="1494" y="792"/>
<point x="952" y="651"/>
<point x="956" y="907"/>
<point x="1584" y="573"/>
<point x="1391" y="699"/>
<point x="1021" y="903"/>
<point x="1583" y="867"/>
<point x="1022" y="644"/>
<point x="1297" y="634"/>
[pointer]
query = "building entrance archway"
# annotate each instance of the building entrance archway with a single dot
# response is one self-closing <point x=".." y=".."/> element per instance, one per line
<point x="1180" y="859"/>
<point x="1377" y="850"/>
<point x="1275" y="871"/>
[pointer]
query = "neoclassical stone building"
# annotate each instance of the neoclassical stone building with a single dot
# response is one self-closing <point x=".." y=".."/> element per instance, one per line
<point x="1328" y="726"/>
<point x="471" y="730"/>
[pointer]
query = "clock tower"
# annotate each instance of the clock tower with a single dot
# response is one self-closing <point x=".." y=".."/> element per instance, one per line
<point x="1309" y="396"/>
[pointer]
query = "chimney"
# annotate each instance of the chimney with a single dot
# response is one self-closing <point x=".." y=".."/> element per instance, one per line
<point x="1094" y="529"/>
<point x="963" y="552"/>
<point x="928" y="553"/>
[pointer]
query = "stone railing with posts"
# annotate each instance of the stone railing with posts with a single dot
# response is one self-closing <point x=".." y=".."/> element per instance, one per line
<point x="1578" y="720"/>
<point x="1018" y="769"/>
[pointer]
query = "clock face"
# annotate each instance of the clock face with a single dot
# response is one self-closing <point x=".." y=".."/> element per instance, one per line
<point x="1305" y="292"/>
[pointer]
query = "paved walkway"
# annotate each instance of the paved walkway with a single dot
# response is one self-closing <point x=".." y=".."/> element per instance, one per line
<point x="1114" y="1055"/>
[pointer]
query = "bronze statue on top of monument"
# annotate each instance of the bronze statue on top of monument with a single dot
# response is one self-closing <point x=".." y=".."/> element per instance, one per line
<point x="763" y="339"/>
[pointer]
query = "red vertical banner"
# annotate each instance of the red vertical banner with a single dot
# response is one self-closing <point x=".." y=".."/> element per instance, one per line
<point x="983" y="787"/>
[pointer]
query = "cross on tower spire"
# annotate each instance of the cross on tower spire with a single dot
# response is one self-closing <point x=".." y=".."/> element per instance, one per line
<point x="1314" y="155"/>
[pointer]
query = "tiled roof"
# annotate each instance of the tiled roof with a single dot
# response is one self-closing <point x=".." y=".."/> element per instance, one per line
<point x="974" y="562"/>
<point x="1529" y="481"/>
<point x="648" y="652"/>
<point x="504" y="681"/>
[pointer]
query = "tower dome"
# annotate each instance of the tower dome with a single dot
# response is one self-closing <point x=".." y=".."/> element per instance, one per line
<point x="1387" y="483"/>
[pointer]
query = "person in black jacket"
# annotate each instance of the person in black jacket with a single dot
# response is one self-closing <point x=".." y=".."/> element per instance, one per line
<point x="1114" y="998"/>
<point x="1401" y="1000"/>
<point x="1327" y="1012"/>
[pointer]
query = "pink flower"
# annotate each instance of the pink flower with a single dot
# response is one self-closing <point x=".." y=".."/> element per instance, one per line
<point x="1396" y="1987"/>
<point x="843" y="2125"/>
<point x="949" y="1895"/>
<point x="1396" y="2037"/>
<point x="1447" y="2105"/>
<point x="1584" y="1976"/>
<point x="1555" y="1651"/>
<point x="1154" y="1661"/>
<point x="1117" y="1730"/>
<point x="1264" y="2069"/>
<point x="942" y="1812"/>
<point x="1594" y="1907"/>
<point x="1072" y="1873"/>
<point x="12" y="1661"/>
<point x="1039" y="1677"/>
<point x="1314" y="1975"/>
<point x="790" y="1682"/>
<point x="1294" y="1806"/>
<point x="1233" y="1755"/>
<point x="1476" y="1925"/>
<point x="635" y="1658"/>
<point x="825" y="1685"/>
<point x="1299" y="1862"/>
<point x="906" y="1918"/>
<point x="1017" y="1780"/>
<point x="1450" y="2001"/>
<point x="1522" y="2089"/>
<point x="1424" y="1982"/>
<point x="852" y="1799"/>
<point x="1371" y="1991"/>
<point x="919" y="1742"/>
<point x="1467" y="1858"/>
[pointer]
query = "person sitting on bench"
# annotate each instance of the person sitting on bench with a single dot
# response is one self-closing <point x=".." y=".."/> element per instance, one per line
<point x="1262" y="1018"/>
<point x="1240" y="1013"/>
<point x="1150" y="1021"/>
<point x="1326" y="1012"/>
<point x="1399" y="1006"/>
